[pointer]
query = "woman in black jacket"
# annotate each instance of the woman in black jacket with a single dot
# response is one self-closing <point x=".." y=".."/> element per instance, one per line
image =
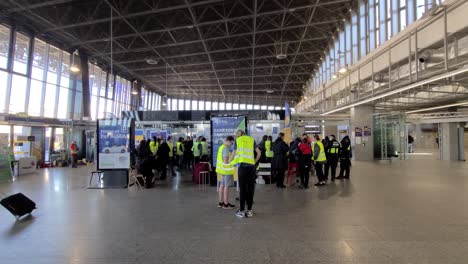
<point x="280" y="160"/>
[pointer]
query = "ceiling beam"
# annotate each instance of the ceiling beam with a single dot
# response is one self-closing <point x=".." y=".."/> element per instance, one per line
<point x="131" y="35"/>
<point x="147" y="43"/>
<point x="224" y="50"/>
<point x="184" y="6"/>
<point x="192" y="14"/>
<point x="236" y="77"/>
<point x="39" y="5"/>
<point x="309" y="22"/>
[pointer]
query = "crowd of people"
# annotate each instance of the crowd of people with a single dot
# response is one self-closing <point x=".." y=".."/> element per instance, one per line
<point x="242" y="155"/>
<point x="160" y="155"/>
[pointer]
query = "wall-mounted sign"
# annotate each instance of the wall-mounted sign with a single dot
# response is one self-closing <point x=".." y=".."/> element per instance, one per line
<point x="358" y="132"/>
<point x="367" y="131"/>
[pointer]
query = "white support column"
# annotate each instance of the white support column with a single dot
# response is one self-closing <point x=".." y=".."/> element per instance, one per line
<point x="363" y="146"/>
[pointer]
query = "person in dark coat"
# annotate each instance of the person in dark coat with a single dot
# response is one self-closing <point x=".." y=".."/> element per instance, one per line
<point x="188" y="154"/>
<point x="280" y="160"/>
<point x="294" y="153"/>
<point x="345" y="158"/>
<point x="163" y="158"/>
<point x="326" y="145"/>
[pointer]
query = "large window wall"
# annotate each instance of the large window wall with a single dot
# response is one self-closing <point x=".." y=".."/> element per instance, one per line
<point x="150" y="101"/>
<point x="370" y="25"/>
<point x="194" y="105"/>
<point x="35" y="79"/>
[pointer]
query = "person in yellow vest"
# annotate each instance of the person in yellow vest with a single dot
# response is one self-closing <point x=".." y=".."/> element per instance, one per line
<point x="225" y="172"/>
<point x="269" y="149"/>
<point x="244" y="156"/>
<point x="319" y="159"/>
<point x="197" y="149"/>
<point x="204" y="152"/>
<point x="333" y="155"/>
<point x="170" y="144"/>
<point x="154" y="145"/>
<point x="180" y="151"/>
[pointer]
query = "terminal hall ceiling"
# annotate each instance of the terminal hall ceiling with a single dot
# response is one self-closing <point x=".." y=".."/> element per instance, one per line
<point x="227" y="50"/>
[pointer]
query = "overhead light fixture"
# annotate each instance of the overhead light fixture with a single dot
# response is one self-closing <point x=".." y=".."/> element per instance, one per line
<point x="402" y="89"/>
<point x="152" y="61"/>
<point x="135" y="92"/>
<point x="73" y="66"/>
<point x="190" y="27"/>
<point x="437" y="107"/>
<point x="292" y="9"/>
<point x="344" y="69"/>
<point x="270" y="91"/>
<point x="92" y="76"/>
<point x="334" y="76"/>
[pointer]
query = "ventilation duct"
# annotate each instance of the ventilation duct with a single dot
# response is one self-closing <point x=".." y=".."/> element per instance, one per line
<point x="431" y="56"/>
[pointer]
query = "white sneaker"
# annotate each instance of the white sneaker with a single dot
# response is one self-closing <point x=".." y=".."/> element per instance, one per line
<point x="240" y="214"/>
<point x="249" y="213"/>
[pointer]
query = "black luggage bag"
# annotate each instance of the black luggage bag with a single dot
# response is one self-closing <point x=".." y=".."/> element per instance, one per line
<point x="18" y="205"/>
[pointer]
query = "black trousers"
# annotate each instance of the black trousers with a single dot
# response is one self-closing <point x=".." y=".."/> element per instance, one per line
<point x="326" y="169"/>
<point x="280" y="177"/>
<point x="197" y="159"/>
<point x="204" y="158"/>
<point x="246" y="177"/>
<point x="333" y="163"/>
<point x="305" y="171"/>
<point x="319" y="171"/>
<point x="345" y="168"/>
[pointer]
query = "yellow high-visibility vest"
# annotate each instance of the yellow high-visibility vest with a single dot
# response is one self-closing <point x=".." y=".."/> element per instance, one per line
<point x="334" y="149"/>
<point x="154" y="147"/>
<point x="268" y="151"/>
<point x="196" y="151"/>
<point x="171" y="147"/>
<point x="180" y="147"/>
<point x="221" y="167"/>
<point x="245" y="150"/>
<point x="321" y="156"/>
<point x="204" y="148"/>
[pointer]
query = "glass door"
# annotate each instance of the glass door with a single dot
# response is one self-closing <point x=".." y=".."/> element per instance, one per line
<point x="390" y="137"/>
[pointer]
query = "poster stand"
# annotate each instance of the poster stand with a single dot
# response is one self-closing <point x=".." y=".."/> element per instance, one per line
<point x="115" y="144"/>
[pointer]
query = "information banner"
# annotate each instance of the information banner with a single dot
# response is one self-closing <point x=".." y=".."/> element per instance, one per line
<point x="367" y="131"/>
<point x="114" y="143"/>
<point x="358" y="132"/>
<point x="221" y="127"/>
<point x="150" y="133"/>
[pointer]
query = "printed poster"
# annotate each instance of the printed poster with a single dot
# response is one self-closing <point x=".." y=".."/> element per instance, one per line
<point x="358" y="132"/>
<point x="114" y="144"/>
<point x="221" y="127"/>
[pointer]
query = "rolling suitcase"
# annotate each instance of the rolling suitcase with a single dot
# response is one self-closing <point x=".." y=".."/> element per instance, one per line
<point x="18" y="205"/>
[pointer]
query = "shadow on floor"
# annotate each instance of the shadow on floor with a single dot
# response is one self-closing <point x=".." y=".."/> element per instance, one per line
<point x="20" y="225"/>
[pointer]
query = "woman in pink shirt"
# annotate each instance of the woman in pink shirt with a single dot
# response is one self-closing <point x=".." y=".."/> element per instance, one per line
<point x="305" y="162"/>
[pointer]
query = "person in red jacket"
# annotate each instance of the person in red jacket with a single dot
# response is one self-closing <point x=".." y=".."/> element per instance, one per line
<point x="305" y="162"/>
<point x="74" y="153"/>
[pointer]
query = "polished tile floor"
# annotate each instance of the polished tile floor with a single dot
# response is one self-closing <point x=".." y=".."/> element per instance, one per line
<point x="412" y="211"/>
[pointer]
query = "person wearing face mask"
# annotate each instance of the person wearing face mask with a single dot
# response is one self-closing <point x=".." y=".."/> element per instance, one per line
<point x="333" y="152"/>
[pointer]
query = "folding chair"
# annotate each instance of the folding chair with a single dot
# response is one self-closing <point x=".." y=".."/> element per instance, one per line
<point x="135" y="176"/>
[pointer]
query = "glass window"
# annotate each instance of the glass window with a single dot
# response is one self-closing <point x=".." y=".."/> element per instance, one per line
<point x="411" y="11"/>
<point x="395" y="17"/>
<point x="277" y="108"/>
<point x="35" y="98"/>
<point x="168" y="106"/>
<point x="355" y="38"/>
<point x="256" y="107"/>
<point x="65" y="70"/>
<point x="181" y="104"/>
<point x="421" y="5"/>
<point x="187" y="105"/>
<point x="383" y="23"/>
<point x="101" y="107"/>
<point x="271" y="107"/>
<point x="21" y="55"/>
<point x="4" y="46"/>
<point x="362" y="30"/>
<point x="235" y="106"/>
<point x="214" y="105"/>
<point x="229" y="106"/>
<point x="49" y="104"/>
<point x="208" y="105"/>
<point x="222" y="106"/>
<point x="54" y="61"/>
<point x="348" y="45"/>
<point x="3" y="90"/>
<point x="201" y="105"/>
<point x="402" y="14"/>
<point x="174" y="104"/>
<point x="39" y="60"/>
<point x="371" y="25"/>
<point x="243" y="106"/>
<point x="249" y="107"/>
<point x="62" y="111"/>
<point x="263" y="107"/>
<point x="110" y="87"/>
<point x="194" y="105"/>
<point x="18" y="94"/>
<point x="103" y="84"/>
